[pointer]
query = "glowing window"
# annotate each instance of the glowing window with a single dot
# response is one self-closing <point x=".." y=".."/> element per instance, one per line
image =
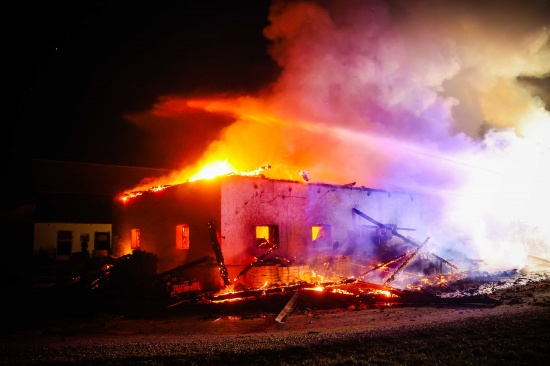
<point x="321" y="233"/>
<point x="182" y="237"/>
<point x="136" y="239"/>
<point x="267" y="236"/>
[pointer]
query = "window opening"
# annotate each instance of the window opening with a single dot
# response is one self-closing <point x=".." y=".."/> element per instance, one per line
<point x="182" y="236"/>
<point x="320" y="232"/>
<point x="136" y="239"/>
<point x="321" y="238"/>
<point x="267" y="236"/>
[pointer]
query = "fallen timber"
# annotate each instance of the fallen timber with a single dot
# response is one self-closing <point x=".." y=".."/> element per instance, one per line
<point x="218" y="252"/>
<point x="391" y="261"/>
<point x="289" y="307"/>
<point x="256" y="262"/>
<point x="374" y="295"/>
<point x="394" y="232"/>
<point x="405" y="263"/>
<point x="355" y="291"/>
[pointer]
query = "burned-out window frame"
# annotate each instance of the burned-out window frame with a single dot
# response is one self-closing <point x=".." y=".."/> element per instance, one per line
<point x="182" y="237"/>
<point x="325" y="230"/>
<point x="272" y="239"/>
<point x="135" y="238"/>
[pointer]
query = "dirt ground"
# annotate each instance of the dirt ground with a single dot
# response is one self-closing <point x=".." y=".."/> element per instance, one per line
<point x="237" y="333"/>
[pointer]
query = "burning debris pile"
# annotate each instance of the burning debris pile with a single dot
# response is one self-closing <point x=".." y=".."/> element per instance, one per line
<point x="391" y="104"/>
<point x="401" y="272"/>
<point x="411" y="275"/>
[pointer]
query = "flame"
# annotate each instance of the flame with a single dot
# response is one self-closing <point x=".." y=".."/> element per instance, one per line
<point x="212" y="170"/>
<point x="341" y="291"/>
<point x="316" y="288"/>
<point x="235" y="299"/>
<point x="365" y="96"/>
<point x="383" y="292"/>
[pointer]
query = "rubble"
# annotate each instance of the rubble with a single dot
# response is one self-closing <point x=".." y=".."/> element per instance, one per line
<point x="420" y="277"/>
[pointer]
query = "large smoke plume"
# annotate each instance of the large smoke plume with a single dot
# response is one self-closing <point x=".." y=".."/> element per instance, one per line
<point x="430" y="97"/>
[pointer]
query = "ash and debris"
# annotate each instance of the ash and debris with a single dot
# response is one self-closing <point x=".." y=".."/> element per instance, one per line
<point x="509" y="287"/>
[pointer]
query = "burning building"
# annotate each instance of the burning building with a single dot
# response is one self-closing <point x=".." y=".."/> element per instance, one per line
<point x="371" y="93"/>
<point x="264" y="232"/>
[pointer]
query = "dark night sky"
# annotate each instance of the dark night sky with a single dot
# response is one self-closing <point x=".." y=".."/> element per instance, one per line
<point x="79" y="67"/>
<point x="85" y="76"/>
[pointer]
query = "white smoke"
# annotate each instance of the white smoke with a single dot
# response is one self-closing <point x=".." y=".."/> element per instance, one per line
<point x="440" y="84"/>
<point x="412" y="95"/>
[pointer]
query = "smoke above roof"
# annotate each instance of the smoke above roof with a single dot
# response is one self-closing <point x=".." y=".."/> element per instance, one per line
<point x="445" y="98"/>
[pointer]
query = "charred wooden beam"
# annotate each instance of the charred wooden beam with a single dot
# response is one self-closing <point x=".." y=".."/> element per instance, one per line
<point x="374" y="286"/>
<point x="445" y="261"/>
<point x="289" y="307"/>
<point x="258" y="261"/>
<point x="218" y="251"/>
<point x="394" y="232"/>
<point x="393" y="260"/>
<point x="387" y="227"/>
<point x="405" y="263"/>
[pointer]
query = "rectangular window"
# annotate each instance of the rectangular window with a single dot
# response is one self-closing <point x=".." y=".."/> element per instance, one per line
<point x="321" y="232"/>
<point x="64" y="242"/>
<point x="321" y="238"/>
<point x="136" y="239"/>
<point x="182" y="237"/>
<point x="267" y="236"/>
<point x="102" y="240"/>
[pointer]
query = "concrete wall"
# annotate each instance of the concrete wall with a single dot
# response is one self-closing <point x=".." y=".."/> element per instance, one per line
<point x="238" y="204"/>
<point x="295" y="207"/>
<point x="157" y="214"/>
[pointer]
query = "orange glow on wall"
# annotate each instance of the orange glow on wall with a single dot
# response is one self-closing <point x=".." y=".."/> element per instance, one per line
<point x="267" y="236"/>
<point x="136" y="239"/>
<point x="319" y="232"/>
<point x="182" y="236"/>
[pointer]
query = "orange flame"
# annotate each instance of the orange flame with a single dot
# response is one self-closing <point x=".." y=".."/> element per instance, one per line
<point x="212" y="170"/>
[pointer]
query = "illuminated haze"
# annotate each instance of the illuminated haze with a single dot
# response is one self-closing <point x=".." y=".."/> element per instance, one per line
<point x="428" y="97"/>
